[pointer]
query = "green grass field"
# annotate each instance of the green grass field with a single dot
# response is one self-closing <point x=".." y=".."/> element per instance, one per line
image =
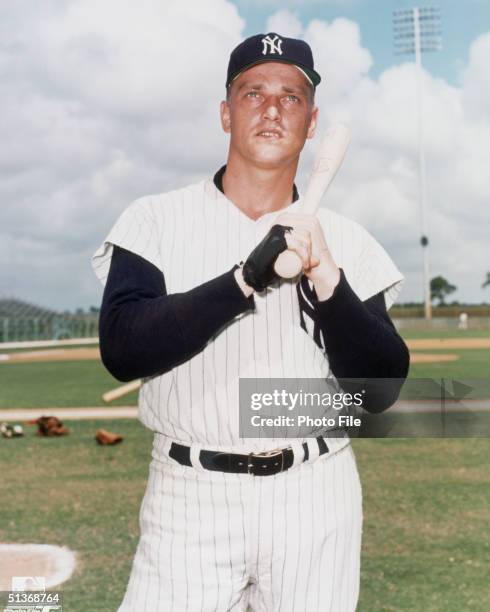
<point x="473" y="363"/>
<point x="426" y="544"/>
<point x="426" y="501"/>
<point x="70" y="491"/>
<point x="82" y="383"/>
<point x="50" y="384"/>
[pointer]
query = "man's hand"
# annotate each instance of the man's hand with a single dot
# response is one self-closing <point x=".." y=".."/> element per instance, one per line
<point x="258" y="271"/>
<point x="308" y="241"/>
<point x="304" y="235"/>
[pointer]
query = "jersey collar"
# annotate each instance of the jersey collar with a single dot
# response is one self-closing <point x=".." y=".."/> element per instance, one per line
<point x="218" y="181"/>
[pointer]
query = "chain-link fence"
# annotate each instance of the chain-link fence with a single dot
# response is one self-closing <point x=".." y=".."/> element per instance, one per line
<point x="20" y="321"/>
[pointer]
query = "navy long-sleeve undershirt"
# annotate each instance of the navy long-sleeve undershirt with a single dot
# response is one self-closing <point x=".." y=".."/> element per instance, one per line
<point x="144" y="331"/>
<point x="362" y="343"/>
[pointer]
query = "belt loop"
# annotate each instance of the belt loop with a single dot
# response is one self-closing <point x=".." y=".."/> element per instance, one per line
<point x="161" y="446"/>
<point x="313" y="448"/>
<point x="298" y="452"/>
<point x="322" y="445"/>
<point x="196" y="462"/>
<point x="166" y="444"/>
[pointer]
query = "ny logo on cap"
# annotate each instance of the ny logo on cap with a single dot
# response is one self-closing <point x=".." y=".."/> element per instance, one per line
<point x="274" y="45"/>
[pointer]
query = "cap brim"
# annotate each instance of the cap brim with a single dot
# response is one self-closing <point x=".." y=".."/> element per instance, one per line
<point x="312" y="75"/>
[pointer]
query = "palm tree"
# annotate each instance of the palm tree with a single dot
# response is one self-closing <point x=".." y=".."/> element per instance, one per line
<point x="487" y="281"/>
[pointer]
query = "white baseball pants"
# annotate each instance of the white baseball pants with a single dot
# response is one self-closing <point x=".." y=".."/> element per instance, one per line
<point x="212" y="541"/>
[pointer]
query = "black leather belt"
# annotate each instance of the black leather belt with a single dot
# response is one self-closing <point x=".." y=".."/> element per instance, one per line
<point x="258" y="464"/>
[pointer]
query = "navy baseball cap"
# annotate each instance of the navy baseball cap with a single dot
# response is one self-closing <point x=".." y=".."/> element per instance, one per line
<point x="272" y="48"/>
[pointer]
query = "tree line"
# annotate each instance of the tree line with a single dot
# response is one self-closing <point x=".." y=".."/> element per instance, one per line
<point x="440" y="288"/>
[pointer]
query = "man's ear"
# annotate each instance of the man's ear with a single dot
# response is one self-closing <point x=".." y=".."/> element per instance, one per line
<point x="225" y="116"/>
<point x="313" y="122"/>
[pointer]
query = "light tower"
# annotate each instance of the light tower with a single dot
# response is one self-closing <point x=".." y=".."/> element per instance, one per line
<point x="416" y="31"/>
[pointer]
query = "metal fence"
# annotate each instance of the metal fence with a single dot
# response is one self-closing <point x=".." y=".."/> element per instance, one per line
<point x="21" y="321"/>
<point x="57" y="327"/>
<point x="440" y="323"/>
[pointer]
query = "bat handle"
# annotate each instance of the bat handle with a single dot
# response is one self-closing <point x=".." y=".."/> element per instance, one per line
<point x="288" y="264"/>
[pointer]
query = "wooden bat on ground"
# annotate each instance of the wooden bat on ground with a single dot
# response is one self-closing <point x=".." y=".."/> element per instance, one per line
<point x="120" y="391"/>
<point x="328" y="158"/>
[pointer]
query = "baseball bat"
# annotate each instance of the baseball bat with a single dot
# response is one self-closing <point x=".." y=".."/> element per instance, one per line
<point x="118" y="392"/>
<point x="329" y="156"/>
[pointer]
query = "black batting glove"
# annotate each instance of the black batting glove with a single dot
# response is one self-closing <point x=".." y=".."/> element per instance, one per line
<point x="258" y="271"/>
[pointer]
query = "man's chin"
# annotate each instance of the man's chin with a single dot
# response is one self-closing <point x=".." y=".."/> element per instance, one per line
<point x="271" y="157"/>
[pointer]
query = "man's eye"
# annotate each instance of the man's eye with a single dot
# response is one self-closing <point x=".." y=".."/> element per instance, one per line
<point x="252" y="94"/>
<point x="292" y="98"/>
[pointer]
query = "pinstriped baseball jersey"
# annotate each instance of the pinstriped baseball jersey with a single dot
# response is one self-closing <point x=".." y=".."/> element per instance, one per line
<point x="195" y="234"/>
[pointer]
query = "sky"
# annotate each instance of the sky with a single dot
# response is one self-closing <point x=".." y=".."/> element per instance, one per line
<point x="104" y="102"/>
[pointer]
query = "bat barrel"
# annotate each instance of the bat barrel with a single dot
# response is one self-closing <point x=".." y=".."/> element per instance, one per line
<point x="328" y="159"/>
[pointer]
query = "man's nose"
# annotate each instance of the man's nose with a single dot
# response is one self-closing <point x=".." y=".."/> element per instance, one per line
<point x="272" y="111"/>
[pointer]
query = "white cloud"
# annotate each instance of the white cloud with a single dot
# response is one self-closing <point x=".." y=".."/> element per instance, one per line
<point x="291" y="4"/>
<point x="476" y="83"/>
<point x="146" y="61"/>
<point x="339" y="56"/>
<point x="103" y="102"/>
<point x="284" y="22"/>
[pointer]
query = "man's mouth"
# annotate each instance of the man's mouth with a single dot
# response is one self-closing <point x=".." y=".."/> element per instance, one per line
<point x="272" y="134"/>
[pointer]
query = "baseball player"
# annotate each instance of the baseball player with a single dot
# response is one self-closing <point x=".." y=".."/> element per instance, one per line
<point x="191" y="305"/>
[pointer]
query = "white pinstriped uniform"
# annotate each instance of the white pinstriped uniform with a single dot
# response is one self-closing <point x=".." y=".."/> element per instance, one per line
<point x="294" y="537"/>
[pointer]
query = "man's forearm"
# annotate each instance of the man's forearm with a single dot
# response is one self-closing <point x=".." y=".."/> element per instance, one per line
<point x="143" y="331"/>
<point x="362" y="343"/>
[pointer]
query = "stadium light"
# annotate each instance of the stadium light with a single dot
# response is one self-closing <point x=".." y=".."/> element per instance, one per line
<point x="416" y="31"/>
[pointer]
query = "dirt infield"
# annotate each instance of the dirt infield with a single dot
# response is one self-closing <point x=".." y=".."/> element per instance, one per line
<point x="23" y="415"/>
<point x="90" y="354"/>
<point x="76" y="354"/>
<point x="422" y="344"/>
<point x="432" y="357"/>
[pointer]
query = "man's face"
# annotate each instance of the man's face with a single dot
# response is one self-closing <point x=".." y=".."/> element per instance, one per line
<point x="269" y="114"/>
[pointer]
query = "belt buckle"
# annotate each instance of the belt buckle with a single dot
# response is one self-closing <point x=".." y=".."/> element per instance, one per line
<point x="272" y="453"/>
